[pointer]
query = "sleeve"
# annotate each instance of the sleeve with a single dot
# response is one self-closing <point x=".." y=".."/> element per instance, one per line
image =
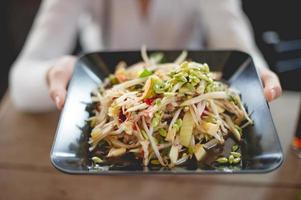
<point x="52" y="36"/>
<point x="227" y="27"/>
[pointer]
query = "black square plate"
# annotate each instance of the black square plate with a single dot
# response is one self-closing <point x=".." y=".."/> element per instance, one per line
<point x="261" y="150"/>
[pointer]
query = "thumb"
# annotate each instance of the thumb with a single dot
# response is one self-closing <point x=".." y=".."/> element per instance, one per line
<point x="58" y="78"/>
<point x="271" y="83"/>
<point x="57" y="88"/>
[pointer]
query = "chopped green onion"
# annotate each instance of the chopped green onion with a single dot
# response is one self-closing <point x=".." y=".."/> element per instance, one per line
<point x="159" y="88"/>
<point x="155" y="162"/>
<point x="236" y="160"/>
<point x="96" y="160"/>
<point x="157" y="118"/>
<point x="145" y="73"/>
<point x="231" y="159"/>
<point x="235" y="154"/>
<point x="222" y="160"/>
<point x="162" y="132"/>
<point x="155" y="122"/>
<point x="144" y="134"/>
<point x="158" y="102"/>
<point x="235" y="147"/>
<point x="178" y="124"/>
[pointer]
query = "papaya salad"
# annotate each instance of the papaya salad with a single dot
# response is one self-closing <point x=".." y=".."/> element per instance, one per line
<point x="164" y="113"/>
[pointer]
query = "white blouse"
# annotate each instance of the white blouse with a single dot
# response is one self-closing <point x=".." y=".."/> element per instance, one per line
<point x="118" y="24"/>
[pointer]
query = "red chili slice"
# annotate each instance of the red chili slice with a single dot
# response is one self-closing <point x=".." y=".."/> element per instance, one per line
<point x="149" y="101"/>
<point x="121" y="117"/>
<point x="134" y="127"/>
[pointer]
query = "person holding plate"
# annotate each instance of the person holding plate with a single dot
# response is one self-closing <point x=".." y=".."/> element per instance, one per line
<point x="40" y="75"/>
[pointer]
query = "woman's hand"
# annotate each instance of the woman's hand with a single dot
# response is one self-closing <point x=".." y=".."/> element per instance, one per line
<point x="271" y="84"/>
<point x="58" y="77"/>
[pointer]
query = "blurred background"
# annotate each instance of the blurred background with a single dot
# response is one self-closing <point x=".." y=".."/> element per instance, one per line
<point x="275" y="24"/>
<point x="25" y="139"/>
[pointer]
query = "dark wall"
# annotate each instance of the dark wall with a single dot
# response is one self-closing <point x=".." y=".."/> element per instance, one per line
<point x="16" y="18"/>
<point x="280" y="16"/>
<point x="5" y="47"/>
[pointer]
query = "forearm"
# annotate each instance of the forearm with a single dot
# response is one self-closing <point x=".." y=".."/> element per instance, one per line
<point x="51" y="37"/>
<point x="28" y="86"/>
<point x="229" y="28"/>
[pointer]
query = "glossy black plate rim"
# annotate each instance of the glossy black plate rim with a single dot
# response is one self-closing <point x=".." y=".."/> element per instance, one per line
<point x="165" y="172"/>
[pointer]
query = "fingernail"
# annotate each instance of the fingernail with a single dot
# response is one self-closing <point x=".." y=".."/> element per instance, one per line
<point x="57" y="101"/>
<point x="273" y="93"/>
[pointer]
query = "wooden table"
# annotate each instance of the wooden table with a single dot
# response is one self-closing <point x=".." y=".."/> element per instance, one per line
<point x="26" y="172"/>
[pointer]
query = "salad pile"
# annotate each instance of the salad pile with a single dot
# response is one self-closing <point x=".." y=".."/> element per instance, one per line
<point x="163" y="113"/>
